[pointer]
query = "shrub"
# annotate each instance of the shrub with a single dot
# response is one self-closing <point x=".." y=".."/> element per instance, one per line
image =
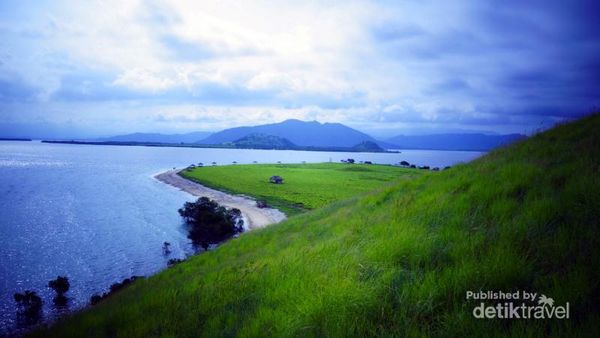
<point x="261" y="204"/>
<point x="95" y="299"/>
<point x="174" y="261"/>
<point x="210" y="223"/>
<point x="29" y="307"/>
<point x="60" y="285"/>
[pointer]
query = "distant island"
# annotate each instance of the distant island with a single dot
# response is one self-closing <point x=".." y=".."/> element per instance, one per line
<point x="254" y="141"/>
<point x="300" y="133"/>
<point x="264" y="141"/>
<point x="14" y="139"/>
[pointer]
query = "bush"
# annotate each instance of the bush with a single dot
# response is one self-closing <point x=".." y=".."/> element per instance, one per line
<point x="210" y="223"/>
<point x="174" y="261"/>
<point x="60" y="285"/>
<point x="118" y="286"/>
<point x="261" y="204"/>
<point x="29" y="307"/>
<point x="95" y="299"/>
<point x="28" y="299"/>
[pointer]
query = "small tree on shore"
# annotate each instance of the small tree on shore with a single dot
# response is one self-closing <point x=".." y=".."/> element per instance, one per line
<point x="29" y="309"/>
<point x="166" y="248"/>
<point x="60" y="285"/>
<point x="210" y="223"/>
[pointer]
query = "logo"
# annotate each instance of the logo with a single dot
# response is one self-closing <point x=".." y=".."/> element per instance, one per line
<point x="516" y="305"/>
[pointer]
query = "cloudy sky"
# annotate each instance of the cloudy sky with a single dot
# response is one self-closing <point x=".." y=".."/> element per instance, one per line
<point x="91" y="68"/>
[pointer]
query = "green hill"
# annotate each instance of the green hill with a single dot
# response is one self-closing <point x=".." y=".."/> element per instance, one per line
<point x="263" y="141"/>
<point x="367" y="146"/>
<point x="398" y="261"/>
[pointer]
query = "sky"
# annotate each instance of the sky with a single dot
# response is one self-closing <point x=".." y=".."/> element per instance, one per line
<point x="99" y="68"/>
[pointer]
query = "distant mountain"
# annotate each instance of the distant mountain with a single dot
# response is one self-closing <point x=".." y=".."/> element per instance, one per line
<point x="300" y="133"/>
<point x="158" y="138"/>
<point x="263" y="141"/>
<point x="296" y="134"/>
<point x="478" y="142"/>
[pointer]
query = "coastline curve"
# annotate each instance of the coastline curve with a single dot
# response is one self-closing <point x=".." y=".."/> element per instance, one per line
<point x="256" y="217"/>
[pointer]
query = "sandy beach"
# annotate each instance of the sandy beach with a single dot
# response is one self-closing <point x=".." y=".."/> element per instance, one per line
<point x="255" y="217"/>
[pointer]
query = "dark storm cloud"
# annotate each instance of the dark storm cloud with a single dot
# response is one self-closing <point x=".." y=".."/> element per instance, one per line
<point x="560" y="74"/>
<point x="527" y="58"/>
<point x="16" y="90"/>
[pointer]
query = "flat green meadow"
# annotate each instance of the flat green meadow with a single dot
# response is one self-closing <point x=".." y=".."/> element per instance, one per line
<point x="306" y="186"/>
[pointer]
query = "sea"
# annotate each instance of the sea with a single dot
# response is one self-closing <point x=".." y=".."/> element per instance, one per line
<point x="95" y="214"/>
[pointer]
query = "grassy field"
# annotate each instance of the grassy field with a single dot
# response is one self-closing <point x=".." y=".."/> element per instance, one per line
<point x="396" y="262"/>
<point x="306" y="186"/>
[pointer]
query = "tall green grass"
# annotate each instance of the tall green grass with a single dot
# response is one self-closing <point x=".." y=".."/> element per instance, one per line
<point x="396" y="262"/>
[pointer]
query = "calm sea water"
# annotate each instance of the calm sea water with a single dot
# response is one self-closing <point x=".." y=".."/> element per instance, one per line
<point x="96" y="215"/>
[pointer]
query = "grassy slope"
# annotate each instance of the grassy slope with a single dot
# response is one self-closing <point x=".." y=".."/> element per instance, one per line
<point x="307" y="186"/>
<point x="397" y="261"/>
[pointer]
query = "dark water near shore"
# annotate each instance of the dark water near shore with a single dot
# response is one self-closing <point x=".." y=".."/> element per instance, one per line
<point x="96" y="215"/>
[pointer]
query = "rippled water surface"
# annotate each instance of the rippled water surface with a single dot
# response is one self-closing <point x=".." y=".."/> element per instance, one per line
<point x="96" y="215"/>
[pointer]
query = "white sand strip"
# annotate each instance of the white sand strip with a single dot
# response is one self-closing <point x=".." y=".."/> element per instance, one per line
<point x="256" y="217"/>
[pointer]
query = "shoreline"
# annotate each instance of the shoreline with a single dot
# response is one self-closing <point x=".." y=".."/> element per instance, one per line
<point x="255" y="216"/>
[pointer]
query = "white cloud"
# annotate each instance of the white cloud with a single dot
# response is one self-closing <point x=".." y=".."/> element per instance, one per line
<point x="356" y="62"/>
<point x="259" y="45"/>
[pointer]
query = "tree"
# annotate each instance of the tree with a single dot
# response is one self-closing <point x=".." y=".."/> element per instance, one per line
<point x="210" y="223"/>
<point x="29" y="307"/>
<point x="61" y="285"/>
<point x="28" y="299"/>
<point x="166" y="248"/>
